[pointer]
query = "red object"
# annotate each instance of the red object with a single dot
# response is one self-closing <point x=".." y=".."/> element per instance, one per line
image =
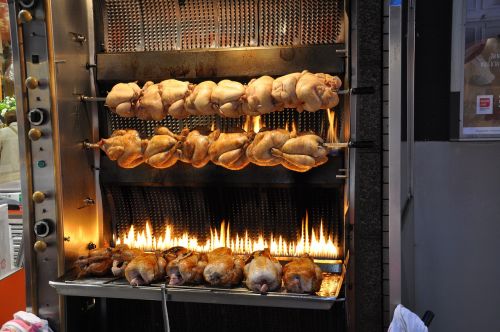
<point x="13" y="294"/>
<point x="484" y="102"/>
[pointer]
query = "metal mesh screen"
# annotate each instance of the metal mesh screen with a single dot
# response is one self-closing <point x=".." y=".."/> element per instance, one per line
<point x="160" y="25"/>
<point x="259" y="210"/>
<point x="316" y="122"/>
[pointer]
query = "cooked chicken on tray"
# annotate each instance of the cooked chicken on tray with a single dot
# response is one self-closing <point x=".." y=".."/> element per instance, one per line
<point x="234" y="150"/>
<point x="302" y="275"/>
<point x="223" y="268"/>
<point x="97" y="263"/>
<point x="179" y="99"/>
<point x="187" y="268"/>
<point x="262" y="272"/>
<point x="144" y="269"/>
<point x="122" y="255"/>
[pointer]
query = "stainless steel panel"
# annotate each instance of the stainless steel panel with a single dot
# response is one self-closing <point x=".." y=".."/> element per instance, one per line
<point x="219" y="63"/>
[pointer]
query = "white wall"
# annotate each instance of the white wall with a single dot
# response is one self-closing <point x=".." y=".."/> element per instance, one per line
<point x="457" y="234"/>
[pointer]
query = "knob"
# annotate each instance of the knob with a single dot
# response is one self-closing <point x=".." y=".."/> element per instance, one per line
<point x="42" y="228"/>
<point x="36" y="116"/>
<point x="28" y="3"/>
<point x="24" y="16"/>
<point x="34" y="134"/>
<point x="38" y="197"/>
<point x="40" y="246"/>
<point x="31" y="83"/>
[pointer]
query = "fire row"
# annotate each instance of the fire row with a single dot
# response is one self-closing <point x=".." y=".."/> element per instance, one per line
<point x="234" y="150"/>
<point x="180" y="99"/>
<point x="259" y="272"/>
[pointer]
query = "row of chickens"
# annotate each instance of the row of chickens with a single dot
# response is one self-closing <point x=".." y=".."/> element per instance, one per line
<point x="180" y="99"/>
<point x="259" y="272"/>
<point x="235" y="150"/>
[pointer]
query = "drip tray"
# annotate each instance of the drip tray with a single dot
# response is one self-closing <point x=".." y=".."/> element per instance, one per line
<point x="119" y="288"/>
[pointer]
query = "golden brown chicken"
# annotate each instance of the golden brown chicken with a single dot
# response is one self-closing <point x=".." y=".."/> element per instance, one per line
<point x="262" y="272"/>
<point x="302" y="275"/>
<point x="124" y="146"/>
<point x="223" y="269"/>
<point x="259" y="151"/>
<point x="303" y="152"/>
<point x="187" y="268"/>
<point x="121" y="256"/>
<point x="150" y="106"/>
<point x="174" y="252"/>
<point x="229" y="150"/>
<point x="163" y="149"/>
<point x="284" y="92"/>
<point x="97" y="263"/>
<point x="173" y="96"/>
<point x="195" y="147"/>
<point x="145" y="269"/>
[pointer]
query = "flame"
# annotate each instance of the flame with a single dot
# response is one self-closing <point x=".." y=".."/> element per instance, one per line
<point x="331" y="136"/>
<point x="254" y="123"/>
<point x="316" y="243"/>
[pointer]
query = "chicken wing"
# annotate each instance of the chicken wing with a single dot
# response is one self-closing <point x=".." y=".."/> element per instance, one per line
<point x="262" y="272"/>
<point x="259" y="151"/>
<point x="223" y="268"/>
<point x="302" y="275"/>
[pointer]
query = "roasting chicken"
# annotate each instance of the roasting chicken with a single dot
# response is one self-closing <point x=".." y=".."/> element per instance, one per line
<point x="195" y="148"/>
<point x="227" y="98"/>
<point x="302" y="275"/>
<point x="121" y="256"/>
<point x="302" y="153"/>
<point x="150" y="106"/>
<point x="97" y="263"/>
<point x="317" y="91"/>
<point x="124" y="146"/>
<point x="259" y="99"/>
<point x="223" y="269"/>
<point x="144" y="269"/>
<point x="284" y="90"/>
<point x="174" y="252"/>
<point x="187" y="268"/>
<point x="122" y="99"/>
<point x="198" y="102"/>
<point x="259" y="151"/>
<point x="262" y="272"/>
<point x="229" y="150"/>
<point x="163" y="150"/>
<point x="173" y="96"/>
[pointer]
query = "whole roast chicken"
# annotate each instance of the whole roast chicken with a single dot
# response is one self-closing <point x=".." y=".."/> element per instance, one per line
<point x="303" y="152"/>
<point x="173" y="96"/>
<point x="317" y="91"/>
<point x="258" y="96"/>
<point x="144" y="269"/>
<point x="284" y="90"/>
<point x="229" y="150"/>
<point x="199" y="101"/>
<point x="124" y="146"/>
<point x="187" y="268"/>
<point x="260" y="152"/>
<point x="302" y="275"/>
<point x="195" y="148"/>
<point x="223" y="268"/>
<point x="172" y="253"/>
<point x="227" y="98"/>
<point x="97" y="263"/>
<point x="262" y="272"/>
<point x="163" y="149"/>
<point x="150" y="106"/>
<point x="122" y="99"/>
<point x="121" y="256"/>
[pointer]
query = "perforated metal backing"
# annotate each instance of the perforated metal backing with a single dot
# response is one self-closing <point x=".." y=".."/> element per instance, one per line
<point x="160" y="25"/>
<point x="196" y="210"/>
<point x="316" y="122"/>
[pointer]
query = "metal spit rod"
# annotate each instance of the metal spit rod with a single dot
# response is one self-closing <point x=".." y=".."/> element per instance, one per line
<point x="164" y="308"/>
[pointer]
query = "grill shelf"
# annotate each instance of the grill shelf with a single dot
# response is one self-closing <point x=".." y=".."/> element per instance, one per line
<point x="119" y="288"/>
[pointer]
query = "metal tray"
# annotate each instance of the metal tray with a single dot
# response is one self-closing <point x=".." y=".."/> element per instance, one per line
<point x="119" y="288"/>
